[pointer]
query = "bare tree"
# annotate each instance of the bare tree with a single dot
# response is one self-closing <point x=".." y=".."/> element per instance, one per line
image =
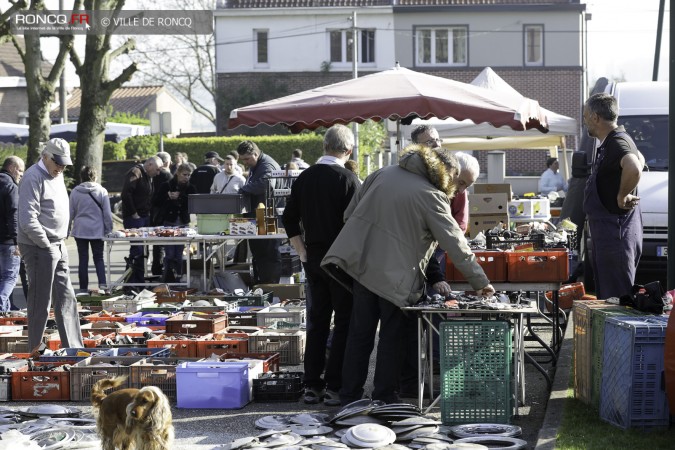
<point x="96" y="86"/>
<point x="5" y="33"/>
<point x="185" y="64"/>
<point x="40" y="88"/>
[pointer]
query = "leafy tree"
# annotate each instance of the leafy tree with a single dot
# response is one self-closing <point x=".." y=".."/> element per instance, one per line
<point x="131" y="119"/>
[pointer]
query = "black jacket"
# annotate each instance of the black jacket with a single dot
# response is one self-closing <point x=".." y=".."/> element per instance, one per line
<point x="9" y="202"/>
<point x="255" y="188"/>
<point x="202" y="178"/>
<point x="136" y="192"/>
<point x="172" y="211"/>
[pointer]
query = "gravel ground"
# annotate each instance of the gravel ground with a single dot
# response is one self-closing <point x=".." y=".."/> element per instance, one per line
<point x="206" y="428"/>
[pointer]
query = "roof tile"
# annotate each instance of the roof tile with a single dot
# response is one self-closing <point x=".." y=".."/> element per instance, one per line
<point x="131" y="100"/>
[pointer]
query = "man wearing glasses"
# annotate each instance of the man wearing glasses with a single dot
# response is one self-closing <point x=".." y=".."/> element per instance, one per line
<point x="44" y="215"/>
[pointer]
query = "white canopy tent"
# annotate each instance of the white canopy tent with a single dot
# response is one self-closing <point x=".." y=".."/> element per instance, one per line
<point x="466" y="135"/>
<point x="11" y="132"/>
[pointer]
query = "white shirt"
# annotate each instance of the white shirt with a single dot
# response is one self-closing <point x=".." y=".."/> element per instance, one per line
<point x="227" y="184"/>
<point x="551" y="182"/>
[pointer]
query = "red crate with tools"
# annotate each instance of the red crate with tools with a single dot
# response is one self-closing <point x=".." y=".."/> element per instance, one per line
<point x="182" y="346"/>
<point x="105" y="316"/>
<point x="567" y="295"/>
<point x="42" y="385"/>
<point x="271" y="361"/>
<point x="222" y="343"/>
<point x="537" y="266"/>
<point x="492" y="262"/>
<point x="195" y="323"/>
<point x="54" y="343"/>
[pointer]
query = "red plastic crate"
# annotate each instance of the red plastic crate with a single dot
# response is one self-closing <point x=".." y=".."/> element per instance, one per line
<point x="567" y="295"/>
<point x="105" y="317"/>
<point x="492" y="262"/>
<point x="547" y="265"/>
<point x="271" y="361"/>
<point x="184" y="348"/>
<point x="90" y="342"/>
<point x="41" y="385"/>
<point x="222" y="344"/>
<point x="194" y="323"/>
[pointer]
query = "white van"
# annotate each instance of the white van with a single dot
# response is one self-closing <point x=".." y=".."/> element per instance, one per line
<point x="643" y="111"/>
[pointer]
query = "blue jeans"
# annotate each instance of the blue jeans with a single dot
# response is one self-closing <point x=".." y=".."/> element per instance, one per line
<point x="83" y="255"/>
<point x="9" y="272"/>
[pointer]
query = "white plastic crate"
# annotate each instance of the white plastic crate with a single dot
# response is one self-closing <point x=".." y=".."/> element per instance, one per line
<point x="290" y="315"/>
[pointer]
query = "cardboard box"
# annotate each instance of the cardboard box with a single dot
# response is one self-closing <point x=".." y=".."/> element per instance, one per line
<point x="284" y="291"/>
<point x="536" y="208"/>
<point x="496" y="203"/>
<point x="241" y="226"/>
<point x="482" y="222"/>
<point x="492" y="188"/>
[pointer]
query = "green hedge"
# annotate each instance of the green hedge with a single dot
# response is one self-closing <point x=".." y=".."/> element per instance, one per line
<point x="278" y="147"/>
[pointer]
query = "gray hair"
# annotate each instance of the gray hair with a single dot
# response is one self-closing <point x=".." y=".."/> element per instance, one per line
<point x="468" y="162"/>
<point x="165" y="157"/>
<point x="11" y="161"/>
<point x="184" y="167"/>
<point x="338" y="139"/>
<point x="604" y="105"/>
<point x="420" y="129"/>
<point x="154" y="159"/>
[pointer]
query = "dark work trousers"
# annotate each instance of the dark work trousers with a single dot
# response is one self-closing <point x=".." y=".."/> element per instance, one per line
<point x="83" y="265"/>
<point x="136" y="252"/>
<point x="368" y="310"/>
<point x="266" y="260"/>
<point x="617" y="243"/>
<point x="328" y="296"/>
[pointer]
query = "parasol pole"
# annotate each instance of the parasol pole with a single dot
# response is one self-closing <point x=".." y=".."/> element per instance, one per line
<point x="355" y="74"/>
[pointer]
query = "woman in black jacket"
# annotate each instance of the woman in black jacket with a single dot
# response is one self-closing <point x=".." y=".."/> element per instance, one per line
<point x="172" y="199"/>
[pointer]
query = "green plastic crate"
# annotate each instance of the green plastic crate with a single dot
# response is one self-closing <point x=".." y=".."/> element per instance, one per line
<point x="476" y="371"/>
<point x="213" y="223"/>
<point x="598" y="317"/>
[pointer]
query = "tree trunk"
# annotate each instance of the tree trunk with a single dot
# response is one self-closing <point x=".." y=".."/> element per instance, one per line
<point x="40" y="97"/>
<point x="97" y="89"/>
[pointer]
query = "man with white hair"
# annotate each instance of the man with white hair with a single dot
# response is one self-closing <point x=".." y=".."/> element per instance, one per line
<point x="136" y="207"/>
<point x="44" y="215"/>
<point x="469" y="170"/>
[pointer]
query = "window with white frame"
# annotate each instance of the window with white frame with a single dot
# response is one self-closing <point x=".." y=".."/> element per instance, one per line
<point x="534" y="45"/>
<point x="441" y="46"/>
<point x="341" y="46"/>
<point x="261" y="47"/>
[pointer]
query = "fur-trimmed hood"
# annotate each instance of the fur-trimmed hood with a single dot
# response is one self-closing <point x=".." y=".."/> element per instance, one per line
<point x="427" y="162"/>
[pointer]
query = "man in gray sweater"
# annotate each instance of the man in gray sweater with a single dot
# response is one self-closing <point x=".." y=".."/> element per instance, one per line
<point x="43" y="226"/>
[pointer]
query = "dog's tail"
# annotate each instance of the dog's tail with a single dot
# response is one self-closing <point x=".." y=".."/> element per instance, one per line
<point x="98" y="391"/>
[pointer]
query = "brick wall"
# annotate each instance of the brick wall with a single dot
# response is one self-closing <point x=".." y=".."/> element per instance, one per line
<point x="557" y="89"/>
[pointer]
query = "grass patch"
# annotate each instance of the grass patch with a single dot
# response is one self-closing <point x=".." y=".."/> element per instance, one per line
<point x="582" y="429"/>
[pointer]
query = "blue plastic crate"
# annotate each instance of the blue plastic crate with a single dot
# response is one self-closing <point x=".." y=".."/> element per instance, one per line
<point x="143" y="319"/>
<point x="476" y="383"/>
<point x="632" y="393"/>
<point x="132" y="352"/>
<point x="70" y="354"/>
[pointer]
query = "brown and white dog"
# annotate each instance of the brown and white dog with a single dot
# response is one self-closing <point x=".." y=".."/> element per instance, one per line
<point x="132" y="419"/>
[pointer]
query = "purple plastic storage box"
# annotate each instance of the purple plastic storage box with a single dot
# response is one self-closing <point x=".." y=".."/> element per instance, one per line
<point x="212" y="385"/>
